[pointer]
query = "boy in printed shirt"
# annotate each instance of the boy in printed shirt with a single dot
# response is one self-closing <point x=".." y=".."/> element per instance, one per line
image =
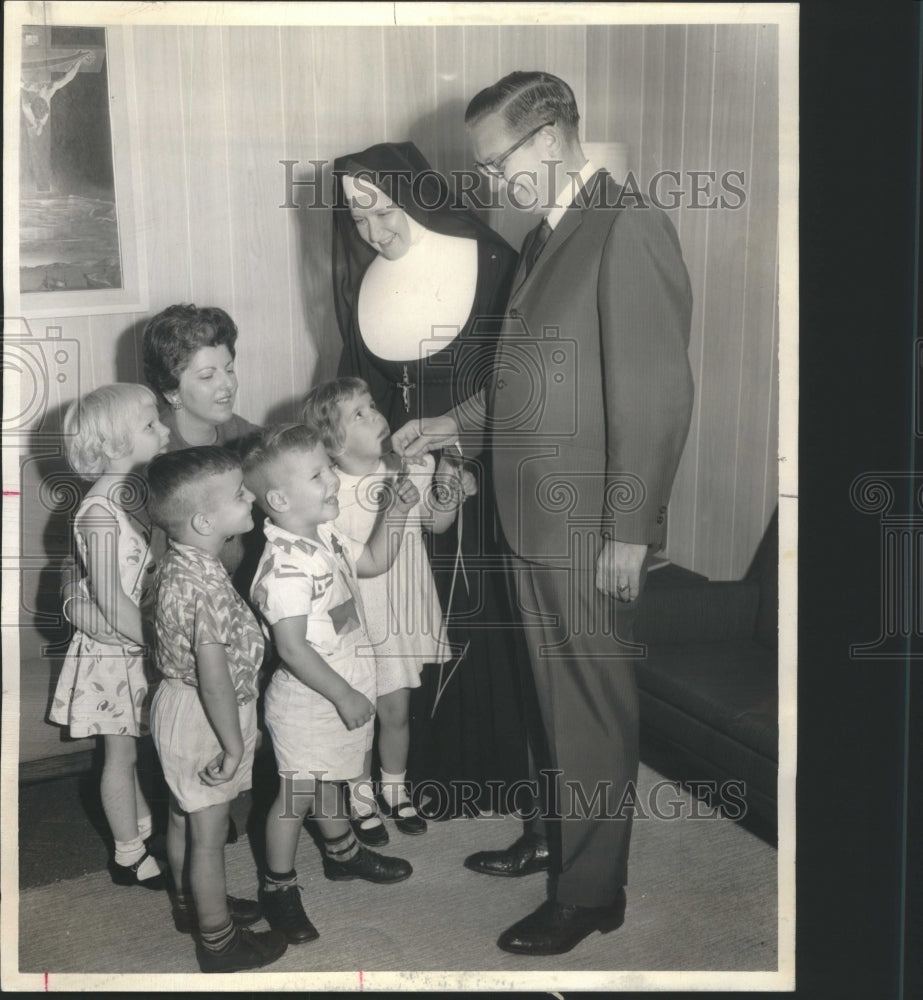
<point x="319" y="706"/>
<point x="203" y="718"/>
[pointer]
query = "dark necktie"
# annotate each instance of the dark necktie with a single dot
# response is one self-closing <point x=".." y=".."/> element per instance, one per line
<point x="538" y="244"/>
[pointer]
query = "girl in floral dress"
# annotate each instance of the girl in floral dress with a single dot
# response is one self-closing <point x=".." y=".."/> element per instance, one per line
<point x="112" y="433"/>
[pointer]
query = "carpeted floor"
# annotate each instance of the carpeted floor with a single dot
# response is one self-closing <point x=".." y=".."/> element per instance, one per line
<point x="702" y="897"/>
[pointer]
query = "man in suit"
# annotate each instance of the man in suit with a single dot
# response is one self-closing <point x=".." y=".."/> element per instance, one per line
<point x="588" y="407"/>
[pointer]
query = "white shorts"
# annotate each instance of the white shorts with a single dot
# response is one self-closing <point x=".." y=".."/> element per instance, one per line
<point x="308" y="735"/>
<point x="186" y="742"/>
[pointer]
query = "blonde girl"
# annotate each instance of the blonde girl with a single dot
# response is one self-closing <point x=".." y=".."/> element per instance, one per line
<point x="111" y="434"/>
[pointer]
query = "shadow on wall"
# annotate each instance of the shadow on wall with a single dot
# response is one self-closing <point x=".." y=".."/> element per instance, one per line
<point x="288" y="411"/>
<point x="51" y="493"/>
<point x="442" y="138"/>
<point x="128" y="352"/>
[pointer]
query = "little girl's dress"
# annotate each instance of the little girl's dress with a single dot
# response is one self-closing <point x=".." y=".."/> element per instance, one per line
<point x="402" y="609"/>
<point x="102" y="688"/>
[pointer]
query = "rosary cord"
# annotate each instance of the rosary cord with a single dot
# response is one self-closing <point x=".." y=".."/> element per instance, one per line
<point x="459" y="564"/>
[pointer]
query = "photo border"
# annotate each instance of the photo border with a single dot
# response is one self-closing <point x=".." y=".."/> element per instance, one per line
<point x="405" y="14"/>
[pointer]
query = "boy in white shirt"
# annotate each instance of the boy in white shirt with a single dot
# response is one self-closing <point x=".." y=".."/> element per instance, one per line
<point x="319" y="706"/>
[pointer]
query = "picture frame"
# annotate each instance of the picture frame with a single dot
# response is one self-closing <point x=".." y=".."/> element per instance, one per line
<point x="112" y="231"/>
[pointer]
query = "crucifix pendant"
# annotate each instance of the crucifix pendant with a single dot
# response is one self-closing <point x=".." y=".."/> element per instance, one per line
<point x="405" y="386"/>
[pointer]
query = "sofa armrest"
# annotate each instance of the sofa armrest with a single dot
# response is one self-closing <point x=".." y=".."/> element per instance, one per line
<point x="717" y="611"/>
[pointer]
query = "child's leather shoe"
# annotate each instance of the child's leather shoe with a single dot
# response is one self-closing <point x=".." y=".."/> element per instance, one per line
<point x="128" y="874"/>
<point x="244" y="912"/>
<point x="405" y="816"/>
<point x="372" y="834"/>
<point x="369" y="866"/>
<point x="249" y="950"/>
<point x="285" y="913"/>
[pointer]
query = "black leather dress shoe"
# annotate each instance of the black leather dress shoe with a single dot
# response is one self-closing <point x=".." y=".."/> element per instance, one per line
<point x="523" y="857"/>
<point x="555" y="928"/>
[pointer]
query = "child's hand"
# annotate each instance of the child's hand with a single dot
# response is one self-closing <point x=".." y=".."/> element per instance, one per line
<point x="469" y="484"/>
<point x="86" y="617"/>
<point x="407" y="496"/>
<point x="354" y="709"/>
<point x="221" y="769"/>
<point x="453" y="484"/>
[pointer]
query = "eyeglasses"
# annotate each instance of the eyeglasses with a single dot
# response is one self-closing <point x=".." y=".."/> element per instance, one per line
<point x="494" y="167"/>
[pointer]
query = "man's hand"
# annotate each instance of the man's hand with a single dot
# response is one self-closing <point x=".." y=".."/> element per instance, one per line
<point x="354" y="709"/>
<point x="618" y="569"/>
<point x="418" y="436"/>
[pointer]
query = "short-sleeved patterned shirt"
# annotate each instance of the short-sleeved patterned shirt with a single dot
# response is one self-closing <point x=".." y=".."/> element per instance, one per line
<point x="297" y="576"/>
<point x="195" y="603"/>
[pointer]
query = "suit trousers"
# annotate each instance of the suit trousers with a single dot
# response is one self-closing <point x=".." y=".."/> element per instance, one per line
<point x="583" y="664"/>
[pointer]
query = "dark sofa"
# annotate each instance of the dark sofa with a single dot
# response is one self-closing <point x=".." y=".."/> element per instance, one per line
<point x="708" y="684"/>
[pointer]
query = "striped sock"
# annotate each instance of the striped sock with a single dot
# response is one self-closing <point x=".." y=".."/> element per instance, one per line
<point x="221" y="939"/>
<point x="343" y="848"/>
<point x="279" y="880"/>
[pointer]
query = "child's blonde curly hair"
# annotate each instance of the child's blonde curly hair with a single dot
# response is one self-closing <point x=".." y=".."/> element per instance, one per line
<point x="97" y="427"/>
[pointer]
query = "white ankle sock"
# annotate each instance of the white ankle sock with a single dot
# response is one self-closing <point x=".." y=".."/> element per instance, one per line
<point x="127" y="852"/>
<point x="393" y="790"/>
<point x="149" y="869"/>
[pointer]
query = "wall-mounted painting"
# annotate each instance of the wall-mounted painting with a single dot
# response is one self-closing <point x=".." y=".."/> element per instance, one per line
<point x="79" y="236"/>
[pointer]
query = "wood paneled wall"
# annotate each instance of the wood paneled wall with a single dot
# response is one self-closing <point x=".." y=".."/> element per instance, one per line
<point x="704" y="98"/>
<point x="220" y="107"/>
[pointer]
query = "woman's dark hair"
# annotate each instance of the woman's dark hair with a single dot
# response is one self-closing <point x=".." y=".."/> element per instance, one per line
<point x="173" y="336"/>
<point x="526" y="99"/>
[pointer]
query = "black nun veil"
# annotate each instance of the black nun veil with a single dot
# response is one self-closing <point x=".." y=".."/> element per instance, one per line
<point x="401" y="171"/>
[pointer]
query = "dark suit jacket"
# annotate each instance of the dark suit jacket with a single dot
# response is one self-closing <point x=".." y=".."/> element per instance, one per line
<point x="590" y="396"/>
